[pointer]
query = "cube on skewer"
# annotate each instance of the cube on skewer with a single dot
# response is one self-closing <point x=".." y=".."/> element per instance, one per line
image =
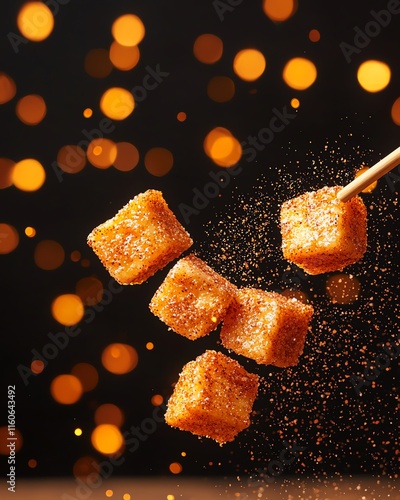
<point x="266" y="327"/>
<point x="320" y="233"/>
<point x="193" y="298"/>
<point x="142" y="238"/>
<point x="213" y="397"/>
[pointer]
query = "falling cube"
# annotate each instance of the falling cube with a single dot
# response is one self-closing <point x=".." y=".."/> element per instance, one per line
<point x="193" y="298"/>
<point x="266" y="327"/>
<point x="142" y="238"/>
<point x="213" y="397"/>
<point x="320" y="233"/>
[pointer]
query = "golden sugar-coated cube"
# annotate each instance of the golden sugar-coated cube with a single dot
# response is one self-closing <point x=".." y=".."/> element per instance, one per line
<point x="266" y="327"/>
<point x="142" y="238"/>
<point x="193" y="298"/>
<point x="320" y="233"/>
<point x="213" y="397"/>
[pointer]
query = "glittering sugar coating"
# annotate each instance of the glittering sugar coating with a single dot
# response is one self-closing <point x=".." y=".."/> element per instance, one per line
<point x="213" y="397"/>
<point x="266" y="327"/>
<point x="320" y="233"/>
<point x="193" y="298"/>
<point x="142" y="238"/>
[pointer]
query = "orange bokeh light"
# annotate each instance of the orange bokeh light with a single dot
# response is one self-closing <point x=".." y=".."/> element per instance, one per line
<point x="124" y="58"/>
<point x="35" y="21"/>
<point x="87" y="375"/>
<point x="128" y="30"/>
<point x="117" y="103"/>
<point x="28" y="175"/>
<point x="158" y="161"/>
<point x="31" y="109"/>
<point x="221" y="89"/>
<point x="107" y="438"/>
<point x="67" y="309"/>
<point x="249" y="64"/>
<point x="71" y="159"/>
<point x="127" y="157"/>
<point x="299" y="73"/>
<point x="222" y="147"/>
<point x="97" y="63"/>
<point x="9" y="238"/>
<point x="373" y="75"/>
<point x="119" y="358"/>
<point x="279" y="10"/>
<point x="343" y="288"/>
<point x="6" y="169"/>
<point x="90" y="290"/>
<point x="208" y="48"/>
<point x="49" y="255"/>
<point x="66" y="389"/>
<point x="8" y="88"/>
<point x="109" y="414"/>
<point x="102" y="153"/>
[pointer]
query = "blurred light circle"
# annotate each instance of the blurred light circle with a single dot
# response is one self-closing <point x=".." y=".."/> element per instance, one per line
<point x="66" y="389"/>
<point x="220" y="89"/>
<point x="373" y="76"/>
<point x="90" y="290"/>
<point x="9" y="238"/>
<point x="87" y="375"/>
<point x="67" y="309"/>
<point x="208" y="48"/>
<point x="8" y="88"/>
<point x="299" y="73"/>
<point x="119" y="358"/>
<point x="49" y="255"/>
<point x="4" y="434"/>
<point x="127" y="157"/>
<point x="102" y="153"/>
<point x="128" y="30"/>
<point x="28" y="175"/>
<point x="249" y="64"/>
<point x="343" y="288"/>
<point x="279" y="10"/>
<point x="124" y="58"/>
<point x="31" y="109"/>
<point x="158" y="161"/>
<point x="97" y="63"/>
<point x="71" y="159"/>
<point x="6" y="169"/>
<point x="109" y="414"/>
<point x="84" y="467"/>
<point x="107" y="438"/>
<point x="35" y="21"/>
<point x="395" y="111"/>
<point x="117" y="103"/>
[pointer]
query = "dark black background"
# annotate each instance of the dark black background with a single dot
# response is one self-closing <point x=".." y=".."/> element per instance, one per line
<point x="353" y="434"/>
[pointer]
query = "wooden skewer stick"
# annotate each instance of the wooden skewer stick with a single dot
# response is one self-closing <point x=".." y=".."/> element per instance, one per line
<point x="369" y="176"/>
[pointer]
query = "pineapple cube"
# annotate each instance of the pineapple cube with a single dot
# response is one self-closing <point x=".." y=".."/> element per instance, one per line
<point x="193" y="298"/>
<point x="320" y="233"/>
<point x="266" y="327"/>
<point x="142" y="238"/>
<point x="213" y="397"/>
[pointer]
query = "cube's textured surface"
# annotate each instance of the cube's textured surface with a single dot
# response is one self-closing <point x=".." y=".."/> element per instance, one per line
<point x="213" y="397"/>
<point x="266" y="327"/>
<point x="193" y="298"/>
<point x="320" y="233"/>
<point x="142" y="238"/>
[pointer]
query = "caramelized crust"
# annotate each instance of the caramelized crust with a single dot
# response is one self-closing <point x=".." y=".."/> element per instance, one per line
<point x="320" y="233"/>
<point x="142" y="238"/>
<point x="213" y="397"/>
<point x="266" y="327"/>
<point x="193" y="298"/>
